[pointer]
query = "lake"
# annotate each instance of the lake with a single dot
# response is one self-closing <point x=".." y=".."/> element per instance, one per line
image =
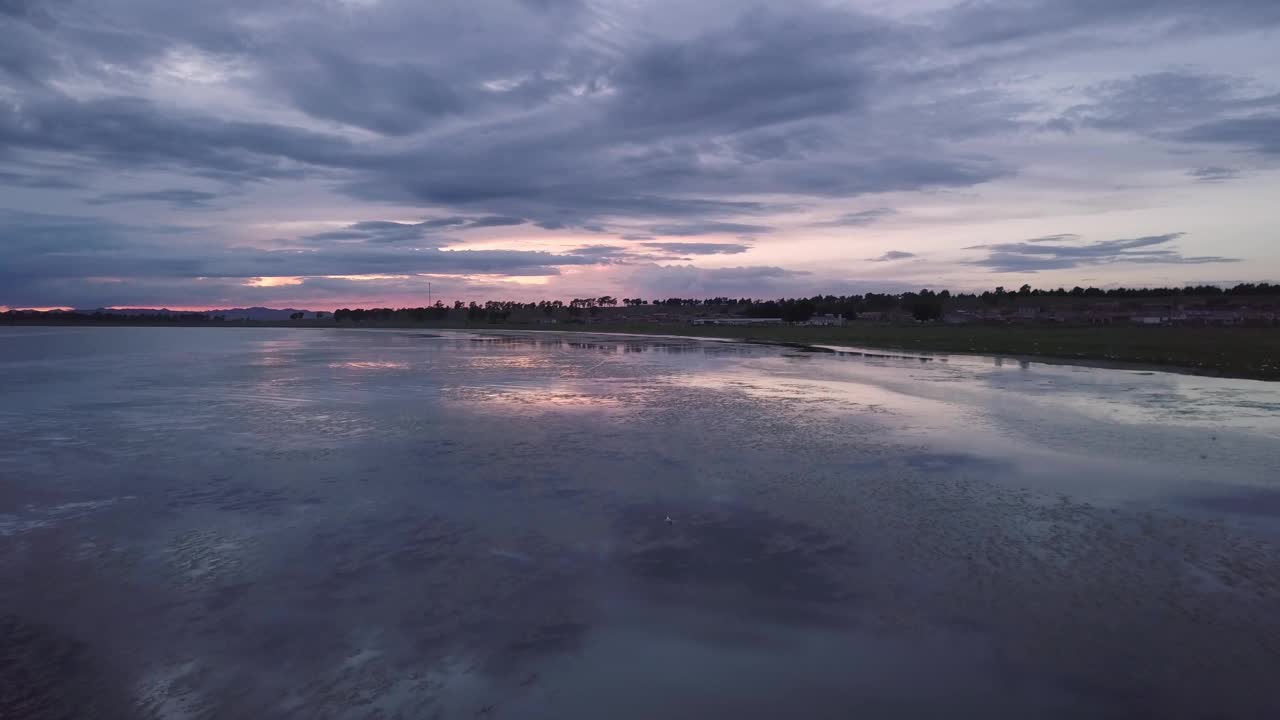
<point x="259" y="522"/>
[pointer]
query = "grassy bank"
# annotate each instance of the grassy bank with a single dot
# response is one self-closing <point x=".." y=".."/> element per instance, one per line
<point x="1230" y="351"/>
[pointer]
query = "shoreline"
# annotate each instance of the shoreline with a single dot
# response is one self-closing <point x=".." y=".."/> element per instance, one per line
<point x="929" y="342"/>
<point x="894" y="353"/>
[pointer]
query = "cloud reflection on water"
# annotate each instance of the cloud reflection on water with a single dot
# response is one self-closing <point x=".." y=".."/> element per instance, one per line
<point x="475" y="525"/>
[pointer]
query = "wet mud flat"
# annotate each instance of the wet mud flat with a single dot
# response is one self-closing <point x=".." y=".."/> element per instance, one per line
<point x="203" y="523"/>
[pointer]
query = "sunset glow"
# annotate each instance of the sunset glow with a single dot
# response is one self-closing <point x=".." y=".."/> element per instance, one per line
<point x="274" y="281"/>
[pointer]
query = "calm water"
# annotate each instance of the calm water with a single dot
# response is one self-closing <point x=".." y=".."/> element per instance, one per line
<point x="254" y="523"/>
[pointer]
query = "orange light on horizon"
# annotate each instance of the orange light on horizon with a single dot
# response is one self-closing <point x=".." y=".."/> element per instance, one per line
<point x="166" y="306"/>
<point x="360" y="278"/>
<point x="6" y="308"/>
<point x="276" y="281"/>
<point x="523" y="279"/>
<point x="287" y="280"/>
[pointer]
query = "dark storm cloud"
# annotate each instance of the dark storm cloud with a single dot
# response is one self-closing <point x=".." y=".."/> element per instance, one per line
<point x="177" y="198"/>
<point x="1168" y="98"/>
<point x="690" y="281"/>
<point x="495" y="221"/>
<point x="30" y="234"/>
<point x="679" y="248"/>
<point x="978" y="22"/>
<point x="624" y="255"/>
<point x="1214" y="174"/>
<point x="338" y="235"/>
<point x="1044" y="254"/>
<point x="38" y="251"/>
<point x="387" y="231"/>
<point x="648" y="252"/>
<point x="194" y="262"/>
<point x="552" y="5"/>
<point x="20" y="9"/>
<point x="409" y="67"/>
<point x="39" y="182"/>
<point x="22" y="58"/>
<point x="858" y="219"/>
<point x="1260" y="134"/>
<point x="887" y="173"/>
<point x="451" y="221"/>
<point x="368" y="231"/>
<point x="600" y="132"/>
<point x="1183" y="107"/>
<point x="551" y="179"/>
<point x="766" y="68"/>
<point x="1062" y="237"/>
<point x="133" y="132"/>
<point x="892" y="255"/>
<point x="708" y="228"/>
<point x="604" y="252"/>
<point x="559" y="114"/>
<point x="394" y="99"/>
<point x="1153" y="101"/>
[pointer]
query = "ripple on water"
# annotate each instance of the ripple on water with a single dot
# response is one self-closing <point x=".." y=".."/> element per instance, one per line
<point x="481" y="533"/>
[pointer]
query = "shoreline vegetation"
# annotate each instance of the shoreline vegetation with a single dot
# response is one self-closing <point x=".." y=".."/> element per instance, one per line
<point x="1241" y="352"/>
<point x="1203" y="329"/>
<point x="1226" y="351"/>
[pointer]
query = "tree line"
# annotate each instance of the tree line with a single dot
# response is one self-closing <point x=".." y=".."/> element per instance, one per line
<point x="923" y="305"/>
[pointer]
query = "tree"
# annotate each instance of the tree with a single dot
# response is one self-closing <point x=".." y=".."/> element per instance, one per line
<point x="296" y="316"/>
<point x="798" y="310"/>
<point x="925" y="309"/>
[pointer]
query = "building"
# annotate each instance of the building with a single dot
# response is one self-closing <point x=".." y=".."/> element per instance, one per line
<point x="827" y="320"/>
<point x="1214" y="316"/>
<point x="736" y="321"/>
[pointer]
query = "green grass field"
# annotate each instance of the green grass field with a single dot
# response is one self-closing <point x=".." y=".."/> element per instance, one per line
<point x="1231" y="351"/>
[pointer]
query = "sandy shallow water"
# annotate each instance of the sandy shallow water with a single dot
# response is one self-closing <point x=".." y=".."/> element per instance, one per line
<point x="230" y="523"/>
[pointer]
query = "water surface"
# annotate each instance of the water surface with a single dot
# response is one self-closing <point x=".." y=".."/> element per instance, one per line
<point x="230" y="523"/>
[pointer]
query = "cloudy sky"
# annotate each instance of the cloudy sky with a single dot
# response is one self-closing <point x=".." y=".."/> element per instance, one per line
<point x="319" y="153"/>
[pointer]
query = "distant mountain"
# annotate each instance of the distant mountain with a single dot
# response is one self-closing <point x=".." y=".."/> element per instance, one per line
<point x="259" y="313"/>
<point x="253" y="313"/>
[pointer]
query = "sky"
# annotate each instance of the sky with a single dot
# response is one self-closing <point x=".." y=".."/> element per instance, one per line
<point x="329" y="153"/>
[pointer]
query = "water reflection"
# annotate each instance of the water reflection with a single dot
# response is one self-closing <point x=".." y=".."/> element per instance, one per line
<point x="369" y="365"/>
<point x="310" y="523"/>
<point x="611" y="346"/>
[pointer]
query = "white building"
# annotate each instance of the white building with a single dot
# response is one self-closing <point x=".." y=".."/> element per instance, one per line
<point x="826" y="320"/>
<point x="736" y="321"/>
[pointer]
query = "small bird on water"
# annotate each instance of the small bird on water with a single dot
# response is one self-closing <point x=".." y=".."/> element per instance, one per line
<point x="669" y="520"/>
